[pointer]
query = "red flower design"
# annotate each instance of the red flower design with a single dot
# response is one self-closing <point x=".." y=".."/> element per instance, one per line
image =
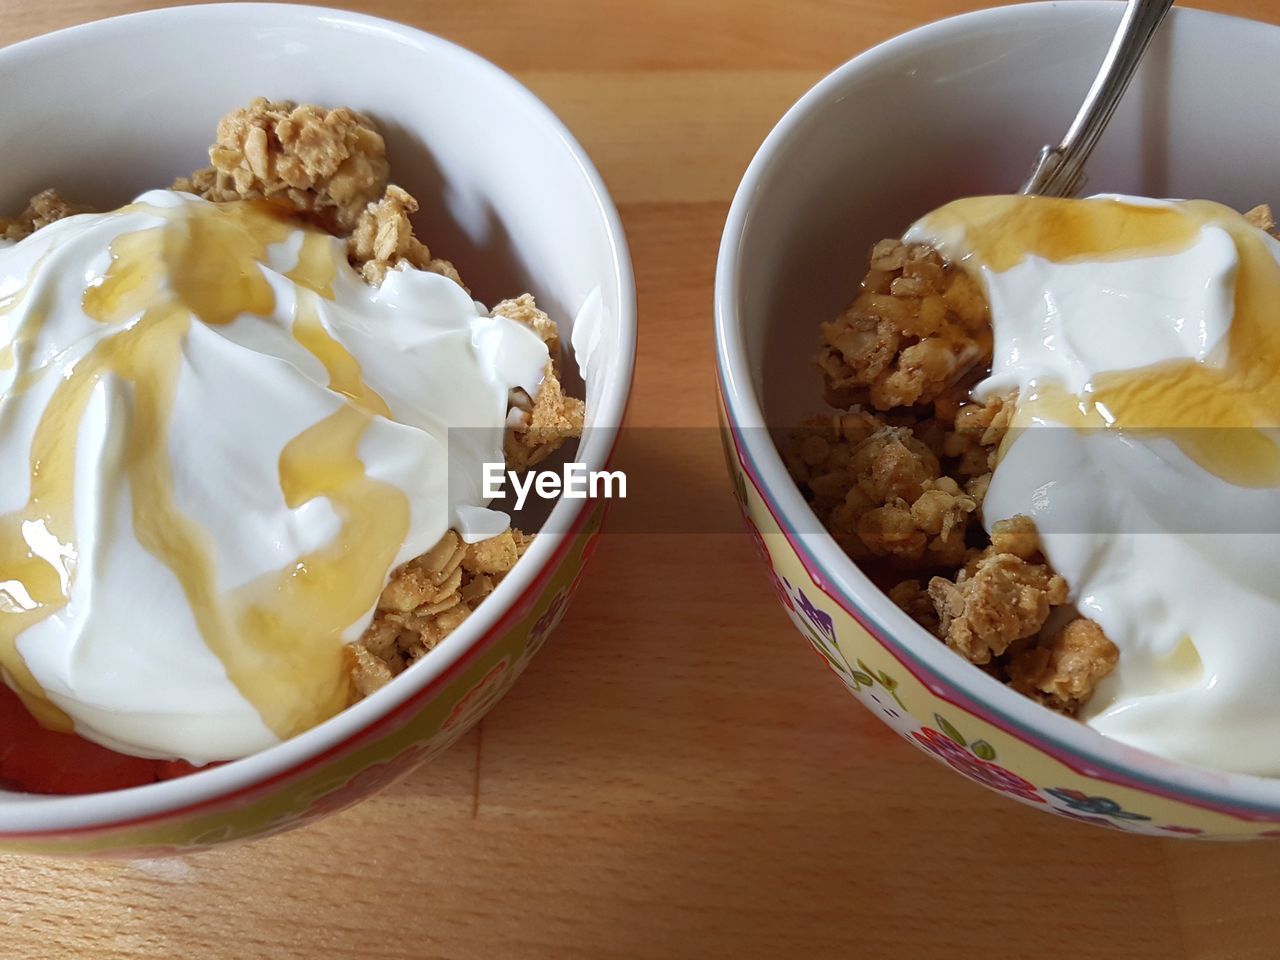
<point x="481" y="690"/>
<point x="778" y="588"/>
<point x="982" y="771"/>
<point x="757" y="541"/>
<point x="370" y="780"/>
<point x="551" y="617"/>
<point x="377" y="776"/>
<point x="590" y="547"/>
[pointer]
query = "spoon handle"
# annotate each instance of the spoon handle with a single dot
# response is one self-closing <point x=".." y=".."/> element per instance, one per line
<point x="1059" y="171"/>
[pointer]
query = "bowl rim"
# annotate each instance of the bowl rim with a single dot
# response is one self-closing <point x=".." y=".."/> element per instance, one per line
<point x="1245" y="796"/>
<point x="35" y="815"/>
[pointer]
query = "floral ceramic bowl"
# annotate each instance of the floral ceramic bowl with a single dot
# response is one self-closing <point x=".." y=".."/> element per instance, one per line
<point x="955" y="108"/>
<point x="109" y="109"/>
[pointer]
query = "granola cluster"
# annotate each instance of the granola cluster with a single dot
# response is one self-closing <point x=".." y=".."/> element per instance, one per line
<point x="426" y="600"/>
<point x="383" y="240"/>
<point x="330" y="165"/>
<point x="898" y="477"/>
<point x="44" y="208"/>
<point x="915" y="329"/>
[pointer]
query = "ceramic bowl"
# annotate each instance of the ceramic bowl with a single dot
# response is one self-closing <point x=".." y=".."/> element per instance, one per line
<point x="954" y="108"/>
<point x="108" y="109"/>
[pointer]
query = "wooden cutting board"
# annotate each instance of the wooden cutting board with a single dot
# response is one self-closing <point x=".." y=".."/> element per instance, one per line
<point x="676" y="776"/>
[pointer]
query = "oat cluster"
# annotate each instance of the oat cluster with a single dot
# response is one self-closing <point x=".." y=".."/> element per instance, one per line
<point x="330" y="165"/>
<point x="915" y="329"/>
<point x="44" y="208"/>
<point x="426" y="600"/>
<point x="899" y="474"/>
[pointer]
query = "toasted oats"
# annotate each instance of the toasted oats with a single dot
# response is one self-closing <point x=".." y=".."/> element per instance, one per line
<point x="552" y="418"/>
<point x="44" y="208"/>
<point x="899" y="474"/>
<point x="368" y="671"/>
<point x="383" y="240"/>
<point x="917" y="328"/>
<point x="494" y="556"/>
<point x="1260" y="216"/>
<point x="1017" y="536"/>
<point x="1063" y="670"/>
<point x="330" y="164"/>
<point x="441" y="559"/>
<point x="426" y="600"/>
<point x="999" y="599"/>
<point x="880" y="491"/>
<point x="912" y="597"/>
<point x="524" y="310"/>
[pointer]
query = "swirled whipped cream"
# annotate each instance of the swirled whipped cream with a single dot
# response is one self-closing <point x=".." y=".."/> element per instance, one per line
<point x="217" y="443"/>
<point x="1143" y="339"/>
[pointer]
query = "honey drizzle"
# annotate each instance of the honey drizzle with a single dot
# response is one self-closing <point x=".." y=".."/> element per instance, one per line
<point x="280" y="636"/>
<point x="1217" y="412"/>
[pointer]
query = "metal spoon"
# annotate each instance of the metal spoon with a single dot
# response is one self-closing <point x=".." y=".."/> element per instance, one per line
<point x="1059" y="171"/>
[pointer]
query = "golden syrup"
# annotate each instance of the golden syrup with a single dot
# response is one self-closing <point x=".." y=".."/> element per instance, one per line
<point x="1218" y="411"/>
<point x="1181" y="668"/>
<point x="317" y="264"/>
<point x="345" y="376"/>
<point x="289" y="625"/>
<point x="279" y="637"/>
<point x="328" y="589"/>
<point x="1003" y="231"/>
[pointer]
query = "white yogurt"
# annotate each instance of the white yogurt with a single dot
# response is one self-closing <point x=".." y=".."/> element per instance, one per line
<point x="1179" y="565"/>
<point x="124" y="657"/>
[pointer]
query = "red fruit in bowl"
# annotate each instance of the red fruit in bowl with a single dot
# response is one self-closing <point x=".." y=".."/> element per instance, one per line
<point x="36" y="760"/>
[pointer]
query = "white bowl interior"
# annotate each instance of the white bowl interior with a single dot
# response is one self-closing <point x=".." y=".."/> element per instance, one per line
<point x="506" y="194"/>
<point x="960" y="108"/>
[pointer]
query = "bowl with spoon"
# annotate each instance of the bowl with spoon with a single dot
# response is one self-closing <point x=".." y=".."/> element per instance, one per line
<point x="962" y="108"/>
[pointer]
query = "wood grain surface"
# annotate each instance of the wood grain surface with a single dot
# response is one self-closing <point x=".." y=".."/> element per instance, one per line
<point x="676" y="776"/>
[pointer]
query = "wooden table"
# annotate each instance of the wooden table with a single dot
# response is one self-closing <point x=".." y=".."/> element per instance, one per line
<point x="675" y="776"/>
